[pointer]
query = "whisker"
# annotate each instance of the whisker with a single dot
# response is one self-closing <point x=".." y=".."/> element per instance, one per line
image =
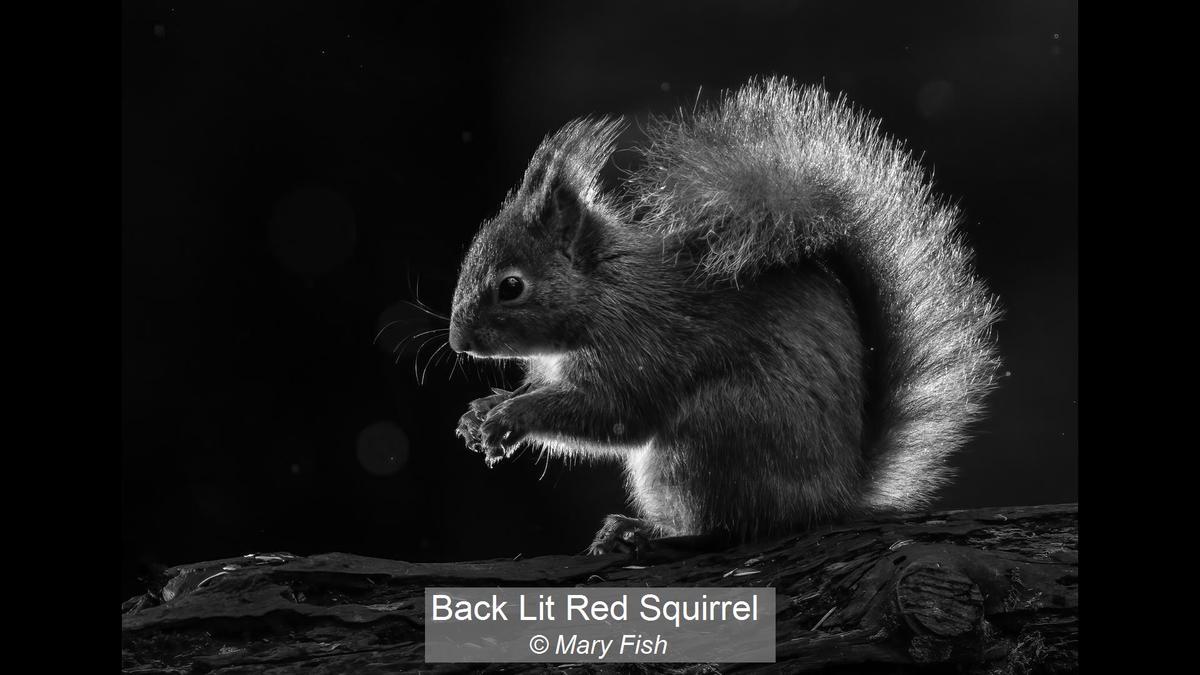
<point x="429" y="361"/>
<point x="389" y="325"/>
<point x="420" y="307"/>
<point x="417" y="357"/>
<point x="416" y="293"/>
<point x="397" y="351"/>
<point x="408" y="278"/>
<point x="451" y="357"/>
<point x="413" y="337"/>
<point x="421" y="303"/>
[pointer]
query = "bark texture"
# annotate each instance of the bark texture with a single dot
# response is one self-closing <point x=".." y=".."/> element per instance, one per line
<point x="979" y="591"/>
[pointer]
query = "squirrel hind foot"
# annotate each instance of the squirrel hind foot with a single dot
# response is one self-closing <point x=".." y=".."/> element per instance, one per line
<point x="621" y="534"/>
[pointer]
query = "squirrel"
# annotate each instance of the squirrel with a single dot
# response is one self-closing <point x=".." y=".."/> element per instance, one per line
<point x="773" y="323"/>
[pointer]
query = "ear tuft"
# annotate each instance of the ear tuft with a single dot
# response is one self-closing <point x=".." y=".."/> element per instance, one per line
<point x="567" y="204"/>
<point x="561" y="191"/>
<point x="579" y="229"/>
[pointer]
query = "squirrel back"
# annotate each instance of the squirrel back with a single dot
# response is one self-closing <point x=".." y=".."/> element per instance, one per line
<point x="776" y="174"/>
<point x="772" y="322"/>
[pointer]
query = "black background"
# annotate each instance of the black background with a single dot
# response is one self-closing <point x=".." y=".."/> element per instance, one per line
<point x="291" y="172"/>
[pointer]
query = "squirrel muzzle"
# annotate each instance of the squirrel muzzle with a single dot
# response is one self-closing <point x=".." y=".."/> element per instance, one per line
<point x="460" y="338"/>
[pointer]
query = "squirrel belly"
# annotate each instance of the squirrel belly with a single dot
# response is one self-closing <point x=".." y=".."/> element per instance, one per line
<point x="751" y="409"/>
<point x="772" y="322"/>
<point x="769" y="438"/>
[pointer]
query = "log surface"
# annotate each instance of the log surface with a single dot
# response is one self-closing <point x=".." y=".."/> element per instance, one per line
<point x="977" y="591"/>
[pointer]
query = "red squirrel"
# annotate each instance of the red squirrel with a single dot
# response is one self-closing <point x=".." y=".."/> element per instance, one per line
<point x="772" y="323"/>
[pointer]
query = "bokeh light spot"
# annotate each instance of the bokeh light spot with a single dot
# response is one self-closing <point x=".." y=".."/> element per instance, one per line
<point x="382" y="448"/>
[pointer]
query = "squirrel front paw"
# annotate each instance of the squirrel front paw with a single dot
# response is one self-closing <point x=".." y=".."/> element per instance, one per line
<point x="503" y="429"/>
<point x="469" y="423"/>
<point x="621" y="534"/>
<point x="498" y="440"/>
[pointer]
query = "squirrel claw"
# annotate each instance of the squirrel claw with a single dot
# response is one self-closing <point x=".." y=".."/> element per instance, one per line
<point x="470" y="425"/>
<point x="468" y="430"/>
<point x="498" y="439"/>
<point x="503" y="429"/>
<point x="621" y="534"/>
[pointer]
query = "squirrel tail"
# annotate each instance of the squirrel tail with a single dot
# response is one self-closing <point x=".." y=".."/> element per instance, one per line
<point x="777" y="173"/>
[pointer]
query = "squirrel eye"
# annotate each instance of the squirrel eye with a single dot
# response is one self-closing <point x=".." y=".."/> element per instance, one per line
<point x="511" y="289"/>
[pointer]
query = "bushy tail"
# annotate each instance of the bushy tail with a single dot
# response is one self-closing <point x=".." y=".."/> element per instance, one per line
<point x="776" y="173"/>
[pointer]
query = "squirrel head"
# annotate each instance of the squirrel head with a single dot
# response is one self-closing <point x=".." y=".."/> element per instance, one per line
<point x="528" y="280"/>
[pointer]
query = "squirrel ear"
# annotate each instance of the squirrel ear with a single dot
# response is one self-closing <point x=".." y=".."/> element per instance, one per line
<point x="576" y="225"/>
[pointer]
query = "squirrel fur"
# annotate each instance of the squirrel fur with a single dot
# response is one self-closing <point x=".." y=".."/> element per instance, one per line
<point x="773" y="322"/>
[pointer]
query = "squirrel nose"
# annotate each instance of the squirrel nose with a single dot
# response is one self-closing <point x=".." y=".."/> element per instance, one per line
<point x="459" y="340"/>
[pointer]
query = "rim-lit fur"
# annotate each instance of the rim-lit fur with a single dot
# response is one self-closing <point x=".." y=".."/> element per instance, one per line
<point x="772" y="322"/>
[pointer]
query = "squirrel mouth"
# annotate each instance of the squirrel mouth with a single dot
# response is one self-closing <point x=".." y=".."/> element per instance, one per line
<point x="481" y="344"/>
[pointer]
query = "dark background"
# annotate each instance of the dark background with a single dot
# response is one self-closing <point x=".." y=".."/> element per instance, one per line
<point x="291" y="172"/>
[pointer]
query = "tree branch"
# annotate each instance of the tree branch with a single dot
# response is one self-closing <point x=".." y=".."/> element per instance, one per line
<point x="988" y="590"/>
